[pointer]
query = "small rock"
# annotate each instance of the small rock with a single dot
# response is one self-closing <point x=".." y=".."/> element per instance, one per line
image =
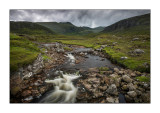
<point x="134" y="39"/>
<point x="131" y="87"/>
<point x="124" y="87"/>
<point x="138" y="51"/>
<point x="126" y="78"/>
<point x="132" y="94"/>
<point x="123" y="58"/>
<point x="110" y="100"/>
<point x="133" y="74"/>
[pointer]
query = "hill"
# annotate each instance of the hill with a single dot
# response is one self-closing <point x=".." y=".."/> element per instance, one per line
<point x="67" y="28"/>
<point x="133" y="25"/>
<point x="28" y="28"/>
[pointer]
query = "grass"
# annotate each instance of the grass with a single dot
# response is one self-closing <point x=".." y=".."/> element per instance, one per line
<point x="143" y="79"/>
<point x="68" y="49"/>
<point x="22" y="52"/>
<point x="45" y="57"/>
<point x="123" y="46"/>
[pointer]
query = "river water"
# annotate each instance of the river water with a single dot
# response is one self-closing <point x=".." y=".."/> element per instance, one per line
<point x="64" y="91"/>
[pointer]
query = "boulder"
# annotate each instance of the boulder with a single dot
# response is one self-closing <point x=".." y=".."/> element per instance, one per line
<point x="132" y="94"/>
<point x="126" y="78"/>
<point x="112" y="90"/>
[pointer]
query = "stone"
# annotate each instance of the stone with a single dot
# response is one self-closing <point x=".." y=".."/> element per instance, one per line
<point x="133" y="74"/>
<point x="123" y="58"/>
<point x="131" y="87"/>
<point x="110" y="100"/>
<point x="132" y="94"/>
<point x="138" y="51"/>
<point x="116" y="70"/>
<point x="124" y="87"/>
<point x="120" y="72"/>
<point x="103" y="88"/>
<point x="134" y="39"/>
<point x="126" y="78"/>
<point x="112" y="90"/>
<point x="93" y="70"/>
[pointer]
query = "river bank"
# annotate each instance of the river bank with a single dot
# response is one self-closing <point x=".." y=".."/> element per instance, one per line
<point x="99" y="80"/>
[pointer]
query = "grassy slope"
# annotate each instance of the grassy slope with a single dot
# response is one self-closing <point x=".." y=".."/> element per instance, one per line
<point x="22" y="52"/>
<point x="29" y="28"/>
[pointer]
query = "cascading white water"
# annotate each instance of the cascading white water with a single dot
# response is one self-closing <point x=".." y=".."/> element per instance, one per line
<point x="64" y="92"/>
<point x="71" y="58"/>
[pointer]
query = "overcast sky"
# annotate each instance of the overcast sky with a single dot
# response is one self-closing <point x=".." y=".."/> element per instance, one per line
<point x="90" y="18"/>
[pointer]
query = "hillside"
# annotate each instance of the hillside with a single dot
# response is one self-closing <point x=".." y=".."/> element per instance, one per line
<point x="28" y="28"/>
<point x="68" y="28"/>
<point x="135" y="25"/>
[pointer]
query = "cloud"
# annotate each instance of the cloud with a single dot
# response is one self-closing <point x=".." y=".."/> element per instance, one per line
<point x="91" y="18"/>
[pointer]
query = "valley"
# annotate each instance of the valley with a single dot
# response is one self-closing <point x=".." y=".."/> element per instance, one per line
<point x="61" y="63"/>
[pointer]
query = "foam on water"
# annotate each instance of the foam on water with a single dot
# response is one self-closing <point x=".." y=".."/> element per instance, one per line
<point x="64" y="90"/>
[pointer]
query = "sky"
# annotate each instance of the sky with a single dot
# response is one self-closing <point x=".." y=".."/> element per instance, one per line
<point x="86" y="17"/>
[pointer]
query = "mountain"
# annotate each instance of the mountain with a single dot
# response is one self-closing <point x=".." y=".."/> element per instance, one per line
<point x="28" y="28"/>
<point x="133" y="25"/>
<point x="68" y="28"/>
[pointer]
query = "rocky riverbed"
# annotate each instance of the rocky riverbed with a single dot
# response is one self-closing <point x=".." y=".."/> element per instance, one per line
<point x="112" y="84"/>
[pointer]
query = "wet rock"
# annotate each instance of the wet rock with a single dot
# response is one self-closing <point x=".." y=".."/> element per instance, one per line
<point x="121" y="72"/>
<point x="112" y="90"/>
<point x="132" y="94"/>
<point x="126" y="78"/>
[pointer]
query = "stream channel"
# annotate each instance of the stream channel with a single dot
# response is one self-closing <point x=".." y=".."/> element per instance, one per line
<point x="62" y="77"/>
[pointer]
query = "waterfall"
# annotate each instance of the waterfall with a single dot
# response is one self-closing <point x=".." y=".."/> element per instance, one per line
<point x="64" y="90"/>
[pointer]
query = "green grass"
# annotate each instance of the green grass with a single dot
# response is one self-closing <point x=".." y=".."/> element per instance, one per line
<point x="68" y="49"/>
<point x="45" y="57"/>
<point x="103" y="69"/>
<point x="22" y="52"/>
<point x="143" y="79"/>
<point x="115" y="52"/>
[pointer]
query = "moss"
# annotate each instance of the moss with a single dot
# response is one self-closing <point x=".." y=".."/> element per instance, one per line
<point x="143" y="78"/>
<point x="103" y="69"/>
<point x="45" y="57"/>
<point x="68" y="49"/>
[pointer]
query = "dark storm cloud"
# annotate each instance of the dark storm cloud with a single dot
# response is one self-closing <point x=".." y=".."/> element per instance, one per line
<point x="90" y="18"/>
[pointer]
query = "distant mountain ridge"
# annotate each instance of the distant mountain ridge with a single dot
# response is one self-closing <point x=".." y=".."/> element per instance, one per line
<point x="137" y="23"/>
<point x="68" y="28"/>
